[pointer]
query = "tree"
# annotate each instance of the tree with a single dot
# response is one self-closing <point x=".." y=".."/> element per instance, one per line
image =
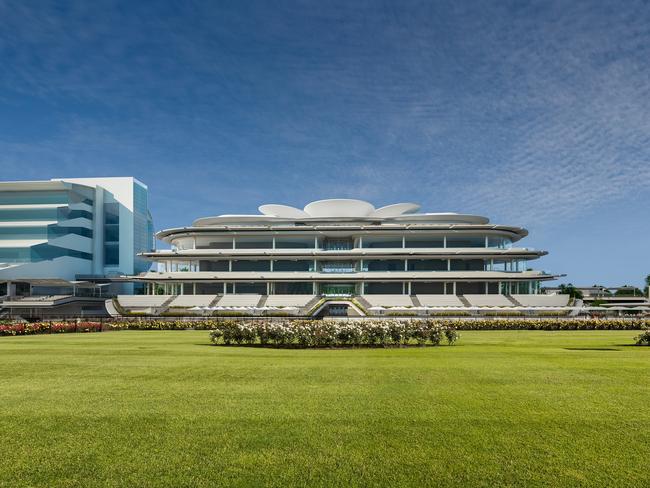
<point x="570" y="290"/>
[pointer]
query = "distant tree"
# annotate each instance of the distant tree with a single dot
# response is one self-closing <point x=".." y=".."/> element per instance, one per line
<point x="628" y="291"/>
<point x="570" y="290"/>
<point x="647" y="285"/>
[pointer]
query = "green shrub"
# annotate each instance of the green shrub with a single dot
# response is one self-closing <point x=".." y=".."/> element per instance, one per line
<point x="643" y="339"/>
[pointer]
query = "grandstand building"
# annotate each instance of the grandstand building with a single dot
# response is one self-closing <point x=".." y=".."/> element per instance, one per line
<point x="343" y="257"/>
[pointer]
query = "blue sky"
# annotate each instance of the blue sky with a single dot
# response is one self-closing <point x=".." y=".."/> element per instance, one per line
<point x="532" y="114"/>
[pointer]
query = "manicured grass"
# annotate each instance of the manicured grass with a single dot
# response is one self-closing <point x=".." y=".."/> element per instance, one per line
<point x="516" y="408"/>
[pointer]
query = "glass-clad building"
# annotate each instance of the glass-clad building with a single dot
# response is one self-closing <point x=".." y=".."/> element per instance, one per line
<point x="65" y="229"/>
<point x="344" y="248"/>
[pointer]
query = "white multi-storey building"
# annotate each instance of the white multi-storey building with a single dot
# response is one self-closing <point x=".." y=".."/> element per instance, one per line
<point x="346" y="248"/>
<point x="72" y="229"/>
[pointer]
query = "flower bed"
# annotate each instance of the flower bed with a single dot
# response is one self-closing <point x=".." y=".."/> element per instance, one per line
<point x="332" y="333"/>
<point x="144" y="323"/>
<point x="27" y="328"/>
<point x="557" y="323"/>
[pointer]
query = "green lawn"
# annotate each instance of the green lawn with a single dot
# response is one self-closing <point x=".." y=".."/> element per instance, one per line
<point x="514" y="408"/>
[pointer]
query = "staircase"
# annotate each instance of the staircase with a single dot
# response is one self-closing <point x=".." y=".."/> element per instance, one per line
<point x="513" y="301"/>
<point x="416" y="301"/>
<point x="464" y="301"/>
<point x="310" y="304"/>
<point x="364" y="303"/>
<point x="214" y="302"/>
<point x="165" y="305"/>
<point x="262" y="301"/>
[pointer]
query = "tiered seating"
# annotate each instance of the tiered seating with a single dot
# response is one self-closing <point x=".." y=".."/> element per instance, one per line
<point x="288" y="300"/>
<point x="142" y="301"/>
<point x="440" y="300"/>
<point x="239" y="300"/>
<point x="193" y="301"/>
<point x="389" y="300"/>
<point x="488" y="300"/>
<point x="555" y="300"/>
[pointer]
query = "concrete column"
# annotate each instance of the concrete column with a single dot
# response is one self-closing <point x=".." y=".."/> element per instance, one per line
<point x="454" y="285"/>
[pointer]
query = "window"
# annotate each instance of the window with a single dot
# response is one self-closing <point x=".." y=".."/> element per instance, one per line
<point x="425" y="241"/>
<point x="427" y="265"/>
<point x="294" y="243"/>
<point x="111" y="254"/>
<point x="470" y="288"/>
<point x="383" y="265"/>
<point x="384" y="242"/>
<point x="427" y="288"/>
<point x="253" y="243"/>
<point x="291" y="265"/>
<point x="256" y="288"/>
<point x="111" y="234"/>
<point x="338" y="289"/>
<point x="499" y="242"/>
<point x="205" y="265"/>
<point x="337" y="266"/>
<point x="384" y="288"/>
<point x="338" y="244"/>
<point x="214" y="242"/>
<point x="246" y="265"/>
<point x="293" y="288"/>
<point x="467" y="264"/>
<point x="465" y="241"/>
<point x="209" y="288"/>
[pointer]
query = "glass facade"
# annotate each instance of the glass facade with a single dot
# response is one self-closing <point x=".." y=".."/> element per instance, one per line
<point x="112" y="234"/>
<point x="143" y="240"/>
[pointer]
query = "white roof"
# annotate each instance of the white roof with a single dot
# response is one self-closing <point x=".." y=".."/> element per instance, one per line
<point x="341" y="208"/>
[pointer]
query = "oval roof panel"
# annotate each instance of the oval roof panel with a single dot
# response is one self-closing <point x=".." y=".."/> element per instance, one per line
<point x="286" y="211"/>
<point x="395" y="210"/>
<point x="339" y="207"/>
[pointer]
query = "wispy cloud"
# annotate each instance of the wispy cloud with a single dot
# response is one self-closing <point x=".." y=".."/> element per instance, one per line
<point x="526" y="113"/>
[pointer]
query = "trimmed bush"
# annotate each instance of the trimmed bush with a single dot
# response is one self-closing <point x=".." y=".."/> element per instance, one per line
<point x="643" y="339"/>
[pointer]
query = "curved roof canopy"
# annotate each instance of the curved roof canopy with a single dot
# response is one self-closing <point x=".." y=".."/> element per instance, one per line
<point x="341" y="209"/>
